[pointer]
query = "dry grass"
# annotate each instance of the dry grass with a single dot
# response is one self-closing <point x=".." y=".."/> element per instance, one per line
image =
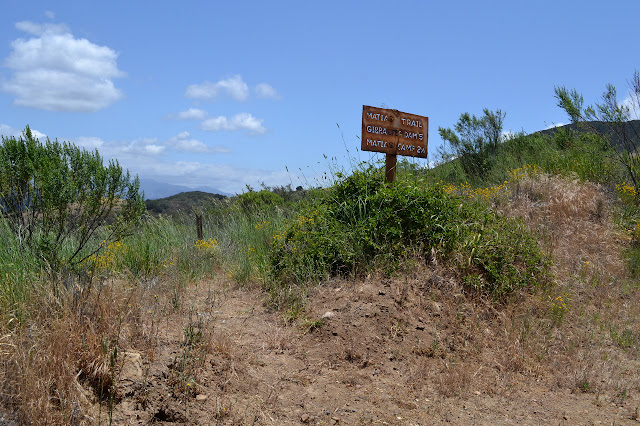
<point x="594" y="347"/>
<point x="61" y="362"/>
<point x="63" y="365"/>
<point x="573" y="218"/>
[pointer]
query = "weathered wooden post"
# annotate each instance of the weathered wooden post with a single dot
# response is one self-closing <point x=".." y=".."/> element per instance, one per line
<point x="394" y="133"/>
<point x="390" y="163"/>
<point x="199" y="226"/>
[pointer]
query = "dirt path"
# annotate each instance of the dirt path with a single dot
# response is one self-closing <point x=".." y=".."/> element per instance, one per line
<point x="384" y="353"/>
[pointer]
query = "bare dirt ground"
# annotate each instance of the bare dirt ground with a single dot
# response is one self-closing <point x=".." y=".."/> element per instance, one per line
<point x="388" y="355"/>
<point x="410" y="349"/>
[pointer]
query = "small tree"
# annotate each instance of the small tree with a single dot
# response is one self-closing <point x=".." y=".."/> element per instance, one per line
<point x="617" y="118"/>
<point x="476" y="141"/>
<point x="58" y="198"/>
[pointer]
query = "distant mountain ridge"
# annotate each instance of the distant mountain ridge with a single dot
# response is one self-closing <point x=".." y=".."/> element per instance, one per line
<point x="154" y="189"/>
<point x="186" y="202"/>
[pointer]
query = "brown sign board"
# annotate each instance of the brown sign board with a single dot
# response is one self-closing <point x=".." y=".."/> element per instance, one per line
<point x="394" y="132"/>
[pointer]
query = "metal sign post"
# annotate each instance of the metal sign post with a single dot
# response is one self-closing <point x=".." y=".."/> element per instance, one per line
<point x="394" y="133"/>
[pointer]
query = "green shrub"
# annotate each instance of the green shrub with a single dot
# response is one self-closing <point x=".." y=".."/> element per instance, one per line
<point x="500" y="255"/>
<point x="475" y="140"/>
<point x="253" y="201"/>
<point x="56" y="198"/>
<point x="365" y="224"/>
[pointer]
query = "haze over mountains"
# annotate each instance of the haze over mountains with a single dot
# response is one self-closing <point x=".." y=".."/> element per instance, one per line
<point x="154" y="189"/>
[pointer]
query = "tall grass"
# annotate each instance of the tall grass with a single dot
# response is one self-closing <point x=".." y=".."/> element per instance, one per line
<point x="245" y="240"/>
<point x="19" y="275"/>
<point x="236" y="241"/>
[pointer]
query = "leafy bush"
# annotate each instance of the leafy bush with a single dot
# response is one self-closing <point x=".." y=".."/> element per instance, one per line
<point x="255" y="201"/>
<point x="60" y="200"/>
<point x="476" y="141"/>
<point x="500" y="255"/>
<point x="366" y="224"/>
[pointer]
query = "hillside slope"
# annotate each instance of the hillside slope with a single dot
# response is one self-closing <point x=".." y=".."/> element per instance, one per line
<point x="415" y="348"/>
<point x="182" y="202"/>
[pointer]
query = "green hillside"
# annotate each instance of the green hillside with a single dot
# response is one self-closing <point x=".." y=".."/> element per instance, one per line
<point x="183" y="202"/>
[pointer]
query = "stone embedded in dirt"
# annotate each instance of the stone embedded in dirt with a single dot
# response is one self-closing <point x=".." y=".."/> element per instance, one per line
<point x="328" y="315"/>
<point x="305" y="418"/>
<point x="131" y="367"/>
<point x="201" y="397"/>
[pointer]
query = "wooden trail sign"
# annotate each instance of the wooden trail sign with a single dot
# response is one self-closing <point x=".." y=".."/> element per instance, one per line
<point x="394" y="133"/>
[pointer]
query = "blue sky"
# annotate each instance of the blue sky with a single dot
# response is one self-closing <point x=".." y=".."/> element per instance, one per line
<point x="232" y="93"/>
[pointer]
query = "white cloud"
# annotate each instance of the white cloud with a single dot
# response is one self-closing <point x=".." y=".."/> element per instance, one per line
<point x="216" y="123"/>
<point x="37" y="134"/>
<point x="36" y="29"/>
<point x="57" y="72"/>
<point x="9" y="131"/>
<point x="154" y="149"/>
<point x="88" y="142"/>
<point x="266" y="91"/>
<point x="233" y="86"/>
<point x="190" y="114"/>
<point x="191" y="145"/>
<point x="49" y="14"/>
<point x="241" y="121"/>
<point x="139" y="148"/>
<point x="194" y="145"/>
<point x="183" y="142"/>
